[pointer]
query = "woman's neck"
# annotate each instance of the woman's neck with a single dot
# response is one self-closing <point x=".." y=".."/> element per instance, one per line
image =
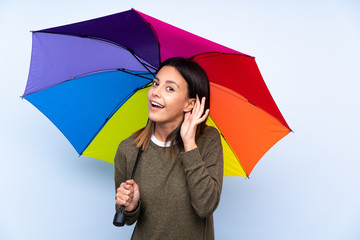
<point x="162" y="131"/>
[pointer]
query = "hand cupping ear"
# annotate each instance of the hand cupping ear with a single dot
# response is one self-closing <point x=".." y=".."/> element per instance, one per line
<point x="191" y="120"/>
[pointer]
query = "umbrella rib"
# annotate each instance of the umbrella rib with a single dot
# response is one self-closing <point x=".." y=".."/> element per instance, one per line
<point x="235" y="95"/>
<point x="145" y="65"/>
<point x="89" y="73"/>
<point x="85" y="36"/>
<point x="230" y="92"/>
<point x="112" y="113"/>
<point x="106" y="70"/>
<point x="154" y="32"/>
<point x="207" y="55"/>
<point x="107" y="119"/>
<point x="135" y="74"/>
<point x="245" y="100"/>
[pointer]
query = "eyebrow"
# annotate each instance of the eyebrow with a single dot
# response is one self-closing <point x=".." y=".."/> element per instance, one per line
<point x="168" y="81"/>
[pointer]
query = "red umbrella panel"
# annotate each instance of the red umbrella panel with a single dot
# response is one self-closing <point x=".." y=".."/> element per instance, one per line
<point x="90" y="79"/>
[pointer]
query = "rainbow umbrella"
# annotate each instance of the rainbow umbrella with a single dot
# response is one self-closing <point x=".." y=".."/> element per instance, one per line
<point x="90" y="79"/>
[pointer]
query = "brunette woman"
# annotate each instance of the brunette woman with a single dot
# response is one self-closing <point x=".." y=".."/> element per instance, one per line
<point x="178" y="181"/>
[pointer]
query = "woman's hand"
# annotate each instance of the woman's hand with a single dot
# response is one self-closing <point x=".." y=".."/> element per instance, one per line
<point x="128" y="195"/>
<point x="191" y="120"/>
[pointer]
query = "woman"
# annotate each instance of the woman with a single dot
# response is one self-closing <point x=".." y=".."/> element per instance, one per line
<point x="178" y="181"/>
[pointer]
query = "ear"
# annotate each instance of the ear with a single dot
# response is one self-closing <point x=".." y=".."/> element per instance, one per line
<point x="189" y="104"/>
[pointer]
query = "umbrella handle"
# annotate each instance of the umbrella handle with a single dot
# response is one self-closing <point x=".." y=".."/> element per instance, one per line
<point x="120" y="218"/>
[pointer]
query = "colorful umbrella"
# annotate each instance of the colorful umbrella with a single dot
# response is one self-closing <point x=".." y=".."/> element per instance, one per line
<point x="90" y="79"/>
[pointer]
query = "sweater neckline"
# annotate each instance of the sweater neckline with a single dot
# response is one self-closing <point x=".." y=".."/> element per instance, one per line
<point x="160" y="143"/>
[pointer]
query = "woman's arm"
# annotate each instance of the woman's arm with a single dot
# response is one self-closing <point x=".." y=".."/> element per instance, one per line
<point x="125" y="190"/>
<point x="204" y="171"/>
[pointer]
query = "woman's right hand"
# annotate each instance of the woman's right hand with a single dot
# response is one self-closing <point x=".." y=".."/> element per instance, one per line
<point x="128" y="195"/>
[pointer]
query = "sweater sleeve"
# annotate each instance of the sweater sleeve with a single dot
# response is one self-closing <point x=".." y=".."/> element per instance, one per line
<point x="204" y="171"/>
<point x="120" y="166"/>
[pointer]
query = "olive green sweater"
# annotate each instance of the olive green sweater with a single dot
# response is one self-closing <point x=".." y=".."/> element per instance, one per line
<point x="179" y="196"/>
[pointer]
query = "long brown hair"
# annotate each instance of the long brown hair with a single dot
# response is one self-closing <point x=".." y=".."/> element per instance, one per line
<point x="198" y="84"/>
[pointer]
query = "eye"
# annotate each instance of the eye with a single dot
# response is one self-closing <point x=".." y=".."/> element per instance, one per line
<point x="170" y="89"/>
<point x="155" y="83"/>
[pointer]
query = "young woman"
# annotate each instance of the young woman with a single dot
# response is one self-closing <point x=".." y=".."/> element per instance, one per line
<point x="177" y="185"/>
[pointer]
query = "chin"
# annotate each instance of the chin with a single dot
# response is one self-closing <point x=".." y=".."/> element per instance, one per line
<point x="154" y="118"/>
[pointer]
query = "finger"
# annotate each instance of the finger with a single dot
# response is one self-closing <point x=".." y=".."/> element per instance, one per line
<point x="123" y="194"/>
<point x="128" y="193"/>
<point x="198" y="103"/>
<point x="130" y="185"/>
<point x="187" y="116"/>
<point x="195" y="105"/>
<point x="122" y="185"/>
<point x="130" y="181"/>
<point x="136" y="187"/>
<point x="122" y="202"/>
<point x="123" y="199"/>
<point x="203" y="101"/>
<point x="202" y="105"/>
<point x="121" y="188"/>
<point x="119" y="200"/>
<point x="126" y="190"/>
<point x="127" y="186"/>
<point x="203" y="118"/>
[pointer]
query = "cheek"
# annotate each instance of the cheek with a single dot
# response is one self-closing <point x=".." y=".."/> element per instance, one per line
<point x="149" y="93"/>
<point x="177" y="104"/>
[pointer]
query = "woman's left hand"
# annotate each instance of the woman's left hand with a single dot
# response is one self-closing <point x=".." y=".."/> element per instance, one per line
<point x="191" y="120"/>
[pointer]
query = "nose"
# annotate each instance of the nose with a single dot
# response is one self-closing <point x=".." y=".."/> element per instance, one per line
<point x="156" y="92"/>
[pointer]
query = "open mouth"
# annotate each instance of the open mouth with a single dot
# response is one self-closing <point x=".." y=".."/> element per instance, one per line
<point x="156" y="105"/>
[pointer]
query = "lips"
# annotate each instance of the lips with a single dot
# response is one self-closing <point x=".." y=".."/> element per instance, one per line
<point x="156" y="104"/>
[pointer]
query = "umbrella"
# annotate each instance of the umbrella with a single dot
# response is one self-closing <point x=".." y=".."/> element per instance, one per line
<point x="90" y="79"/>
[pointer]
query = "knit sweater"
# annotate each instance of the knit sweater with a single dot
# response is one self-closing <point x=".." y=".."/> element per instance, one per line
<point x="177" y="196"/>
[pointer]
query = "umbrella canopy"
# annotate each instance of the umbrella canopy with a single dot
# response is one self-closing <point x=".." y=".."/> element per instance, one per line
<point x="90" y="79"/>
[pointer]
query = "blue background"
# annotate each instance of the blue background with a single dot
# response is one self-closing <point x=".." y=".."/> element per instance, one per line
<point x="305" y="187"/>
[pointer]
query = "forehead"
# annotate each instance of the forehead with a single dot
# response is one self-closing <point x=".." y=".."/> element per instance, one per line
<point x="171" y="75"/>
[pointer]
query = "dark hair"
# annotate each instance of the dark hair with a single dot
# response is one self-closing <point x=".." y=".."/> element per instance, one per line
<point x="198" y="84"/>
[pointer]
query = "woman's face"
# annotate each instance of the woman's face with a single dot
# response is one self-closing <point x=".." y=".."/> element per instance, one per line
<point x="168" y="97"/>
